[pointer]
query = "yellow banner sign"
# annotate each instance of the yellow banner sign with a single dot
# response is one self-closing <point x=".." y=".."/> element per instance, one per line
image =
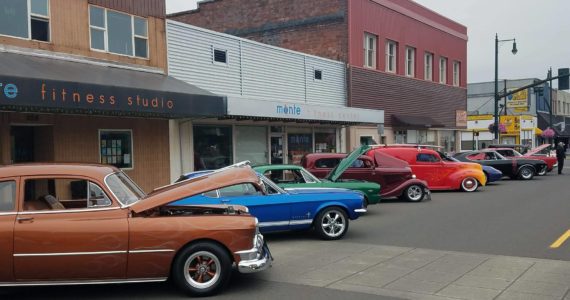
<point x="518" y="100"/>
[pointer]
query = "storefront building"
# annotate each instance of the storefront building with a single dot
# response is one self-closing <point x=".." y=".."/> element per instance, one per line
<point x="84" y="81"/>
<point x="402" y="58"/>
<point x="281" y="104"/>
<point x="518" y="130"/>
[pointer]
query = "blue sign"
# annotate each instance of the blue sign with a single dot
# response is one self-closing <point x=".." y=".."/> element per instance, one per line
<point x="10" y="90"/>
<point x="289" y="110"/>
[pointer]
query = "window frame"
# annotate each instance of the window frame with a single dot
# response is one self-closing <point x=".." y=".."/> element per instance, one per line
<point x="428" y="68"/>
<point x="374" y="63"/>
<point x="391" y="56"/>
<point x="130" y="131"/>
<point x="410" y="65"/>
<point x="443" y="71"/>
<point x="456" y="73"/>
<point x="315" y="71"/>
<point x="105" y="30"/>
<point x="30" y="15"/>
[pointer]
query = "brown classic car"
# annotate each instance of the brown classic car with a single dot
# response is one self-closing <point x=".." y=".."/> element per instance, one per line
<point x="75" y="224"/>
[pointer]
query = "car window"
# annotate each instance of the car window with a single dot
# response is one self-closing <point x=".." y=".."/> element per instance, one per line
<point x="490" y="156"/>
<point x="244" y="189"/>
<point x="62" y="194"/>
<point x="7" y="195"/>
<point x="360" y="163"/>
<point x="427" y="157"/>
<point x="211" y="194"/>
<point x="286" y="176"/>
<point x="327" y="163"/>
<point x="476" y="156"/>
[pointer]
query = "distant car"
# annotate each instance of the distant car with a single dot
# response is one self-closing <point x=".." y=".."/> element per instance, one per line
<point x="440" y="174"/>
<point x="524" y="169"/>
<point x="327" y="211"/>
<point x="491" y="173"/>
<point x="394" y="175"/>
<point x="551" y="162"/>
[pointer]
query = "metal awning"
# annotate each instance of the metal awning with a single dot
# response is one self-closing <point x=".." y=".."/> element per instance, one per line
<point x="49" y="84"/>
<point x="415" y="121"/>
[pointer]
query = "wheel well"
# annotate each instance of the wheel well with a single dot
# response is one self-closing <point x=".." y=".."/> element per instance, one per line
<point x="230" y="255"/>
<point x="529" y="166"/>
<point x="331" y="206"/>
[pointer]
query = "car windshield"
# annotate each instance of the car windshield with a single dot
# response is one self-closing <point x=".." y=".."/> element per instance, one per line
<point x="516" y="153"/>
<point x="499" y="156"/>
<point x="269" y="186"/>
<point x="123" y="188"/>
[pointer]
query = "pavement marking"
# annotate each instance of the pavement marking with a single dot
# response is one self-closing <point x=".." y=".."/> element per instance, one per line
<point x="560" y="240"/>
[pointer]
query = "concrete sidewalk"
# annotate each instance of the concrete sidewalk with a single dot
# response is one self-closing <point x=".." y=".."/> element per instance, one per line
<point x="413" y="273"/>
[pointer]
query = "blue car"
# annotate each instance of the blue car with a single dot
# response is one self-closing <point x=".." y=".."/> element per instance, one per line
<point x="492" y="174"/>
<point x="327" y="211"/>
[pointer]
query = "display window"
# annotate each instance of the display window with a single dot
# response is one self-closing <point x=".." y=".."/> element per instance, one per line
<point x="325" y="140"/>
<point x="300" y="142"/>
<point x="116" y="148"/>
<point x="251" y="144"/>
<point x="212" y="147"/>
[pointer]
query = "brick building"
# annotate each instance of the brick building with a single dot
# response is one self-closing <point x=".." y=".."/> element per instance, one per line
<point x="402" y="57"/>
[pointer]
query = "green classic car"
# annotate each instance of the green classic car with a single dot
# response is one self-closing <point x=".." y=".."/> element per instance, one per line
<point x="293" y="176"/>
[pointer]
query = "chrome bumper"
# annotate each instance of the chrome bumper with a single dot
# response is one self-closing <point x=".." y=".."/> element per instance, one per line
<point x="257" y="258"/>
<point x="360" y="210"/>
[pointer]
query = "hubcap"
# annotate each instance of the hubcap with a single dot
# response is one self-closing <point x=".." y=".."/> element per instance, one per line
<point x="469" y="184"/>
<point x="415" y="192"/>
<point x="526" y="173"/>
<point x="202" y="269"/>
<point x="333" y="223"/>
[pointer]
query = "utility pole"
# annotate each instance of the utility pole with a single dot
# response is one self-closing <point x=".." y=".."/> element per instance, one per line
<point x="505" y="108"/>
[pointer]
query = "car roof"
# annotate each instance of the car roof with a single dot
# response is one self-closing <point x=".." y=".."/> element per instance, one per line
<point x="59" y="169"/>
<point x="277" y="167"/>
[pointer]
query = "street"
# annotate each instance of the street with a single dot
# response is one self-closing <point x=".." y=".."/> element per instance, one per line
<point x="491" y="244"/>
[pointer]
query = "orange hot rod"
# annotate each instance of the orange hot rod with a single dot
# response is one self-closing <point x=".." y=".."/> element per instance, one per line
<point x="90" y="224"/>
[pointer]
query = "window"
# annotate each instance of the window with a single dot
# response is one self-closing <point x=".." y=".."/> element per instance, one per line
<point x="391" y="56"/>
<point x="327" y="163"/>
<point x="401" y="137"/>
<point x="318" y="74"/>
<point x="428" y="66"/>
<point x="118" y="33"/>
<point x="325" y="140"/>
<point x="62" y="194"/>
<point x="367" y="140"/>
<point x="116" y="148"/>
<point x="25" y="19"/>
<point x="370" y="41"/>
<point x="361" y="164"/>
<point x="212" y="147"/>
<point x="7" y="196"/>
<point x="443" y="70"/>
<point x="245" y="189"/>
<point x="456" y="73"/>
<point x="410" y="62"/>
<point x="220" y="56"/>
<point x="426" y="157"/>
<point x="124" y="189"/>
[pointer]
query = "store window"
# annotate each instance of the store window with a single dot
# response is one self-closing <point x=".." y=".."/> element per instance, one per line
<point x="410" y="62"/>
<point x="7" y="195"/>
<point x="325" y="140"/>
<point x="212" y="147"/>
<point x="428" y="66"/>
<point x="447" y="141"/>
<point x="300" y="142"/>
<point x="24" y="18"/>
<point x="116" y="148"/>
<point x="370" y="42"/>
<point x="251" y="144"/>
<point x="391" y="56"/>
<point x="443" y="70"/>
<point x="118" y="33"/>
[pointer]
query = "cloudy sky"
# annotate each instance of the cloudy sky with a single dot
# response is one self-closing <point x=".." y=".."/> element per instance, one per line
<point x="542" y="30"/>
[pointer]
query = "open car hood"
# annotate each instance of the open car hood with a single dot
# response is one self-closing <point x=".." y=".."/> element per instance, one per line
<point x="346" y="162"/>
<point x="196" y="186"/>
<point x="537" y="149"/>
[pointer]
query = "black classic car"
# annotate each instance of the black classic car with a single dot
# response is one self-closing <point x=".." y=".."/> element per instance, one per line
<point x="524" y="169"/>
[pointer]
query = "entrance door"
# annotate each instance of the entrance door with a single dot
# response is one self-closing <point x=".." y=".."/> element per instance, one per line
<point x="277" y="149"/>
<point x="32" y="144"/>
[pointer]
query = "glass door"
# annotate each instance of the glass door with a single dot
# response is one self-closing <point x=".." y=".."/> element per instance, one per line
<point x="277" y="149"/>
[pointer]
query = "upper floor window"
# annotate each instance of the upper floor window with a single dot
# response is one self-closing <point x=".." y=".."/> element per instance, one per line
<point x="370" y="41"/>
<point x="410" y="62"/>
<point x="391" y="56"/>
<point x="118" y="33"/>
<point x="428" y="66"/>
<point x="25" y="19"/>
<point x="456" y="73"/>
<point x="443" y="70"/>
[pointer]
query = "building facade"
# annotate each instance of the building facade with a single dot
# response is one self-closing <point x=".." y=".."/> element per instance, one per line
<point x="403" y="58"/>
<point x="85" y="81"/>
<point x="281" y="104"/>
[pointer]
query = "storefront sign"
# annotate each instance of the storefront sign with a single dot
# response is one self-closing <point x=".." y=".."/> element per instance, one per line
<point x="518" y="100"/>
<point x="34" y="93"/>
<point x="461" y="118"/>
<point x="238" y="106"/>
<point x="512" y="124"/>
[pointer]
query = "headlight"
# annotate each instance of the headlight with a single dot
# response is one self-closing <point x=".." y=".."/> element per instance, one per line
<point x="414" y="176"/>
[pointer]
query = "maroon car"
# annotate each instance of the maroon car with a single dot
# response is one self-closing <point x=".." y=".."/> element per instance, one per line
<point x="394" y="176"/>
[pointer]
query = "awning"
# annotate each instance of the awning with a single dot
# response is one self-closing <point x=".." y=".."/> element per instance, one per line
<point x="537" y="131"/>
<point x="416" y="121"/>
<point x="560" y="124"/>
<point x="45" y="84"/>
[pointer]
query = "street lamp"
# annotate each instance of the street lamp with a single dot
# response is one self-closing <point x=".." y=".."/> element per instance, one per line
<point x="497" y="98"/>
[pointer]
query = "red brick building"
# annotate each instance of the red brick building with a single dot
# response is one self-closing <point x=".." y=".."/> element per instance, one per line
<point x="402" y="57"/>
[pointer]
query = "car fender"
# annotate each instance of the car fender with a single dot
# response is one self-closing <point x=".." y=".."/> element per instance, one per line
<point x="458" y="176"/>
<point x="399" y="191"/>
<point x="349" y="212"/>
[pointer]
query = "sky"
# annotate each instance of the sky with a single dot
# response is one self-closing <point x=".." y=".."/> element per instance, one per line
<point x="541" y="28"/>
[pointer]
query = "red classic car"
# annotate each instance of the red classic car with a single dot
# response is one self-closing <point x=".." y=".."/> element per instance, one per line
<point x="510" y="152"/>
<point x="440" y="174"/>
<point x="90" y="224"/>
<point x="394" y="175"/>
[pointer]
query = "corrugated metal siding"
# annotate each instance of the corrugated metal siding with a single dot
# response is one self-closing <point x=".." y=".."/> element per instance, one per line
<point x="253" y="70"/>
<point x="378" y="90"/>
<point x="143" y="8"/>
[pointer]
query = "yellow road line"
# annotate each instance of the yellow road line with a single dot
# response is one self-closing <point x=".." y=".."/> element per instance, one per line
<point x="560" y="240"/>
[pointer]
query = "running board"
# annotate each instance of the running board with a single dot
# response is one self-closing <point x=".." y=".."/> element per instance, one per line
<point x="81" y="282"/>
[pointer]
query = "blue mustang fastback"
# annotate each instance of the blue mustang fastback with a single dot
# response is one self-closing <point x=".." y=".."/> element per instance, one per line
<point x="326" y="210"/>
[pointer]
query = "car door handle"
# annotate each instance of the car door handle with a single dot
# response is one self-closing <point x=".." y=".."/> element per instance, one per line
<point x="25" y="219"/>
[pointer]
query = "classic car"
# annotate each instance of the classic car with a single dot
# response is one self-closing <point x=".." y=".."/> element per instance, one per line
<point x="326" y="210"/>
<point x="491" y="173"/>
<point x="394" y="175"/>
<point x="524" y="169"/>
<point x="293" y="176"/>
<point x="551" y="161"/>
<point x="91" y="224"/>
<point x="440" y="174"/>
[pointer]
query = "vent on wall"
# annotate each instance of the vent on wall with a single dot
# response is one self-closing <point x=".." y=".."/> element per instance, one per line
<point x="318" y="75"/>
<point x="220" y="56"/>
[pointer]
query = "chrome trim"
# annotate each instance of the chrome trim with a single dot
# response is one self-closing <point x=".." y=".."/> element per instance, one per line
<point x="8" y="214"/>
<point x="301" y="222"/>
<point x="68" y="253"/>
<point x="87" y="282"/>
<point x="268" y="224"/>
<point x="360" y="210"/>
<point x="42" y="212"/>
<point x="151" y="251"/>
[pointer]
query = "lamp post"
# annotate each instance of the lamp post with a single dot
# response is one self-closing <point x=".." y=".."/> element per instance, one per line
<point x="497" y="98"/>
